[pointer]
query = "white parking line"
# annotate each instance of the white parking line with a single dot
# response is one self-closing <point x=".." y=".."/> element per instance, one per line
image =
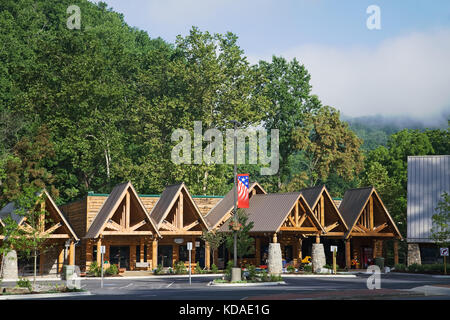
<point x="170" y="284"/>
<point x="128" y="285"/>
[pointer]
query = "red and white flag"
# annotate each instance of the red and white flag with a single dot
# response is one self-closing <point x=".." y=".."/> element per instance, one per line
<point x="242" y="180"/>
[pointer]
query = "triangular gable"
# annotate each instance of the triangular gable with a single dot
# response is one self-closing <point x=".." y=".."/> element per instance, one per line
<point x="367" y="215"/>
<point x="119" y="202"/>
<point x="331" y="214"/>
<point x="222" y="211"/>
<point x="301" y="218"/>
<point x="171" y="215"/>
<point x="56" y="226"/>
<point x="60" y="218"/>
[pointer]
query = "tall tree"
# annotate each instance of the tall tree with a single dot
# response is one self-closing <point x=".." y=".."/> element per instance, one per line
<point x="328" y="145"/>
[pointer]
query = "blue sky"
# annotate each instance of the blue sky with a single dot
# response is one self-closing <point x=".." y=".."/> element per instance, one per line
<point x="402" y="69"/>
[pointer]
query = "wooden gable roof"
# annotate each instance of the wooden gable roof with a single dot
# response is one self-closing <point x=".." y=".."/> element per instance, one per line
<point x="325" y="209"/>
<point x="366" y="214"/>
<point x="171" y="216"/>
<point x="56" y="226"/>
<point x="222" y="211"/>
<point x="121" y="194"/>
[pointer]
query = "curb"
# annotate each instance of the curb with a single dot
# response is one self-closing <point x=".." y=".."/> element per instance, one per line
<point x="46" y="279"/>
<point x="43" y="295"/>
<point x="153" y="277"/>
<point x="319" y="275"/>
<point x="431" y="290"/>
<point x="263" y="284"/>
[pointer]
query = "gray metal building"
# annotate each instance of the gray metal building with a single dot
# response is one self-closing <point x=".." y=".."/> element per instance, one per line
<point x="428" y="179"/>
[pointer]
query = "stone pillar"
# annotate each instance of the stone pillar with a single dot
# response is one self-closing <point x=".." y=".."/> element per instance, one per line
<point x="318" y="256"/>
<point x="9" y="266"/>
<point x="275" y="265"/>
<point x="414" y="254"/>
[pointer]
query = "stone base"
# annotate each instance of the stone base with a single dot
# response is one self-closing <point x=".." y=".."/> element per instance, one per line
<point x="235" y="274"/>
<point x="414" y="254"/>
<point x="318" y="257"/>
<point x="275" y="265"/>
<point x="10" y="270"/>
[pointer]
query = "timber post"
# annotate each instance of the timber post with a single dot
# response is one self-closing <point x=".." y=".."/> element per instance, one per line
<point x="72" y="253"/>
<point x="154" y="254"/>
<point x="395" y="252"/>
<point x="317" y="238"/>
<point x="99" y="255"/>
<point x="348" y="262"/>
<point x="60" y="259"/>
<point x="257" y="250"/>
<point x="207" y="255"/>
<point x="274" y="239"/>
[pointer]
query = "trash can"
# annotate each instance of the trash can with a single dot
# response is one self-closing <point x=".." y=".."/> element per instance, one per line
<point x="379" y="261"/>
<point x="68" y="272"/>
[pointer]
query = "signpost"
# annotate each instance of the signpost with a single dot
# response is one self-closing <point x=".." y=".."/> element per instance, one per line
<point x="334" y="250"/>
<point x="444" y="253"/>
<point x="102" y="251"/>
<point x="189" y="247"/>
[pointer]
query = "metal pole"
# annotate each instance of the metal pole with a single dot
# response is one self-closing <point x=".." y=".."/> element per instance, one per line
<point x="235" y="194"/>
<point x="190" y="267"/>
<point x="102" y="266"/>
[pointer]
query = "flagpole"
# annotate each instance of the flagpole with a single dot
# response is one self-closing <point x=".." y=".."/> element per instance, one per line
<point x="236" y="273"/>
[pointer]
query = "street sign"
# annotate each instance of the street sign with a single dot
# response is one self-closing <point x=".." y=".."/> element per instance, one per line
<point x="197" y="244"/>
<point x="189" y="246"/>
<point x="444" y="252"/>
<point x="102" y="249"/>
<point x="333" y="248"/>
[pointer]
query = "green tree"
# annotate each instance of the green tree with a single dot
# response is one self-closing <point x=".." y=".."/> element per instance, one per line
<point x="245" y="243"/>
<point x="440" y="232"/>
<point x="215" y="239"/>
<point x="327" y="145"/>
<point x="288" y="90"/>
<point x="28" y="237"/>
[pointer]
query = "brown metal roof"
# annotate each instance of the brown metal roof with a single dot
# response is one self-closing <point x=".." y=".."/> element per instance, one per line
<point x="166" y="201"/>
<point x="225" y="205"/>
<point x="312" y="194"/>
<point x="110" y="205"/>
<point x="269" y="211"/>
<point x="353" y="203"/>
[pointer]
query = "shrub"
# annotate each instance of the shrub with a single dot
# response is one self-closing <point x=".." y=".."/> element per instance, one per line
<point x="400" y="267"/>
<point x="264" y="276"/>
<point x="291" y="269"/>
<point x="158" y="269"/>
<point x="94" y="269"/>
<point x="327" y="266"/>
<point x="198" y="269"/>
<point x="274" y="278"/>
<point x="112" y="270"/>
<point x="251" y="272"/>
<point x="228" y="269"/>
<point x="307" y="268"/>
<point x="180" y="268"/>
<point x="24" y="283"/>
<point x="214" y="269"/>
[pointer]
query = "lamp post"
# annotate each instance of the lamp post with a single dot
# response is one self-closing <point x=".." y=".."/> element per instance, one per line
<point x="236" y="272"/>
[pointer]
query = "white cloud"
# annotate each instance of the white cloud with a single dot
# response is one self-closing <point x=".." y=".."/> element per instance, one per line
<point x="407" y="76"/>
